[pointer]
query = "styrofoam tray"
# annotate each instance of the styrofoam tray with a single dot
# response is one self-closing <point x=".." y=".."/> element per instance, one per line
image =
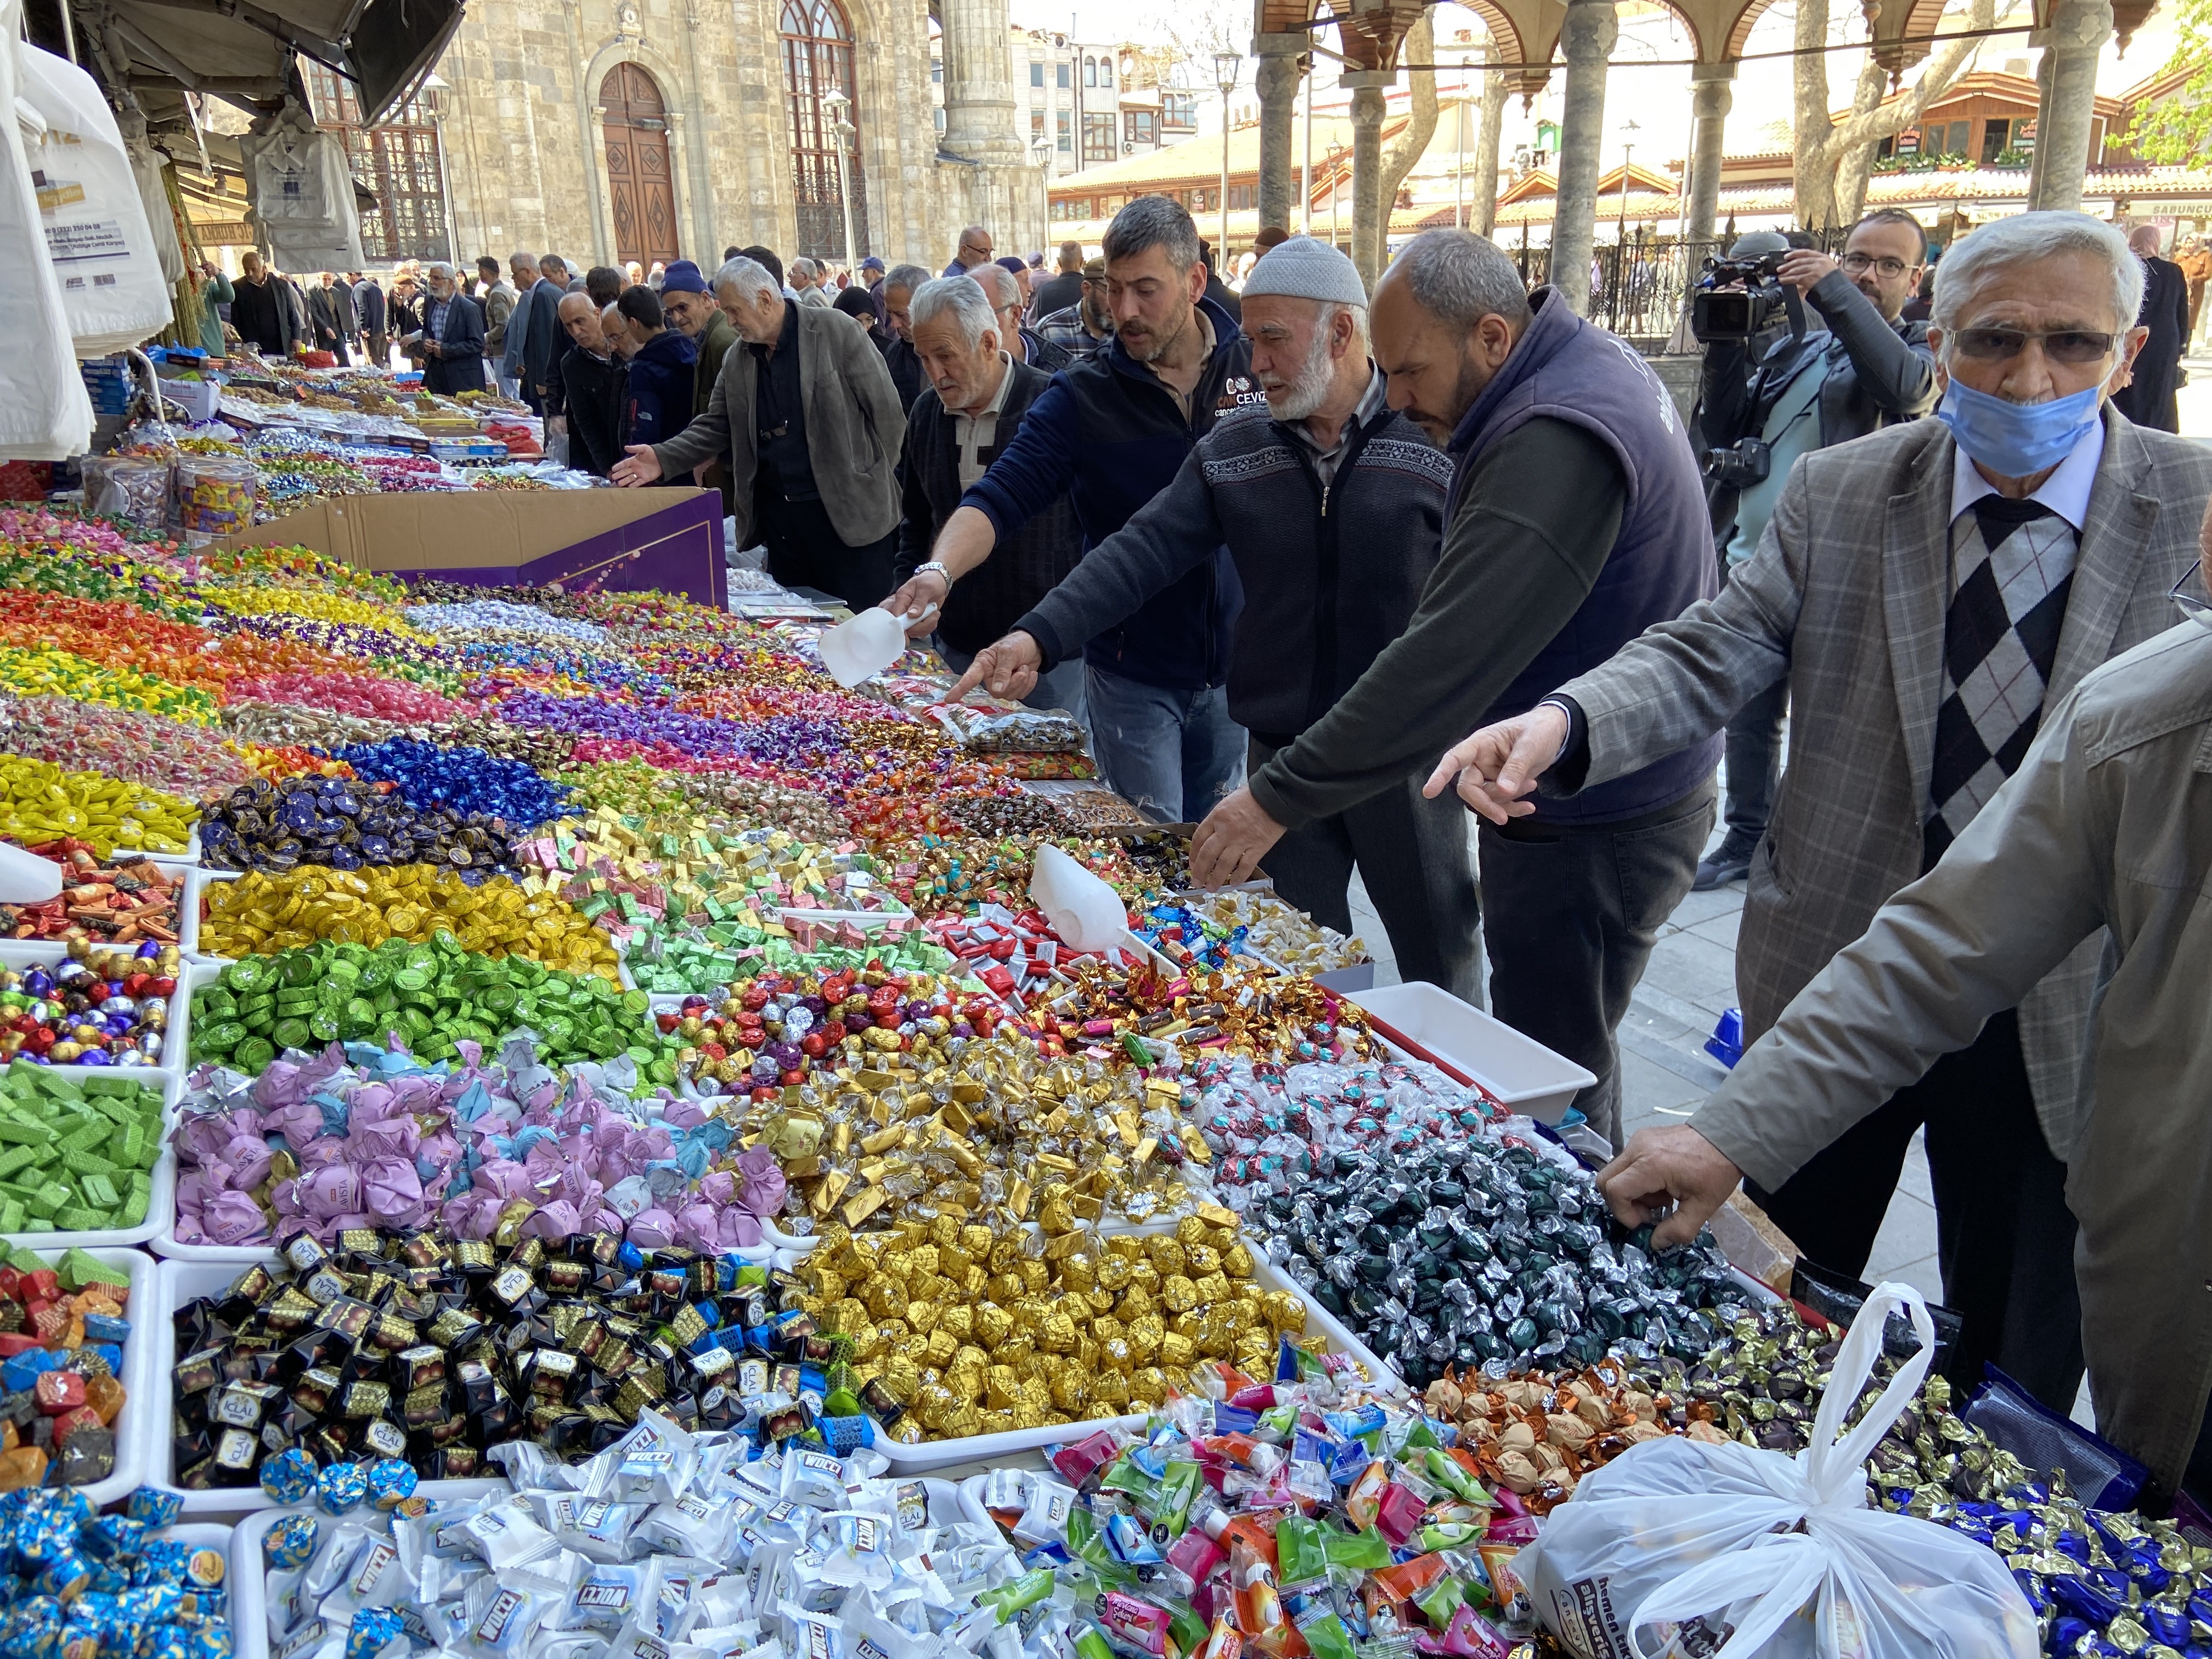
<point x="44" y="953"/>
<point x="144" y="1395"/>
<point x="177" y="1285"/>
<point x="19" y="952"/>
<point x="1516" y="1071"/>
<point x="163" y="1203"/>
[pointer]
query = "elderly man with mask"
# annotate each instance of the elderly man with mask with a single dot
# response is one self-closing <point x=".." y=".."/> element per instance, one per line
<point x="1929" y="591"/>
<point x="806" y="419"/>
<point x="2102" y="841"/>
<point x="1278" y="485"/>
<point x="974" y="409"/>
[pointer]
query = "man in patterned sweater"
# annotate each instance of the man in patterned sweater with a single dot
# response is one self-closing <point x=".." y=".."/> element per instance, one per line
<point x="1277" y="487"/>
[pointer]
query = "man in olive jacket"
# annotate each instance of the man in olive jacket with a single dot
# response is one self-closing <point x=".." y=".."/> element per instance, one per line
<point x="805" y="418"/>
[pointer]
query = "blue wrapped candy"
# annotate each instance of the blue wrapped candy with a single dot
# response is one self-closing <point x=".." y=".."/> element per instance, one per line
<point x="289" y="1477"/>
<point x="290" y="1542"/>
<point x="340" y="1488"/>
<point x="155" y="1508"/>
<point x="372" y="1630"/>
<point x="392" y="1482"/>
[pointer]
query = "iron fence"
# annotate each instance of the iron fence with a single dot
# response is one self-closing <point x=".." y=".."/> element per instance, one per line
<point x="1641" y="288"/>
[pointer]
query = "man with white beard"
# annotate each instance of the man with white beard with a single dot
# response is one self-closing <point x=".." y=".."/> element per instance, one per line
<point x="1332" y="505"/>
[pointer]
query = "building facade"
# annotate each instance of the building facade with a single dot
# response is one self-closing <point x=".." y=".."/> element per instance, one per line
<point x="1090" y="106"/>
<point x="610" y="130"/>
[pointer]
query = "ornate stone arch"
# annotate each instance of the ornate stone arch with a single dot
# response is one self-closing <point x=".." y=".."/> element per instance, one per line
<point x="681" y="93"/>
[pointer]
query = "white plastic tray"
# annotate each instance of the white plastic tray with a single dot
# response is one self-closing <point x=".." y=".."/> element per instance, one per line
<point x="1515" y="1070"/>
<point x="177" y="1285"/>
<point x="161" y="1206"/>
<point x="46" y="953"/>
<point x="145" y="1396"/>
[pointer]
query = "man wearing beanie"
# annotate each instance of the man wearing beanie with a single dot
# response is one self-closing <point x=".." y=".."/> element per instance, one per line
<point x="1278" y="485"/>
<point x="692" y="311"/>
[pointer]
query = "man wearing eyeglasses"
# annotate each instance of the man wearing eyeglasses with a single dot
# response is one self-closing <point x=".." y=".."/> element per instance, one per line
<point x="1927" y="591"/>
<point x="975" y="250"/>
<point x="1790" y="394"/>
<point x="2101" y="842"/>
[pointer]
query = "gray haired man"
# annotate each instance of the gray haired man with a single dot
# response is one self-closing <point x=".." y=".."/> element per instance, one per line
<point x="1929" y="591"/>
<point x="1278" y="484"/>
<point x="810" y="424"/>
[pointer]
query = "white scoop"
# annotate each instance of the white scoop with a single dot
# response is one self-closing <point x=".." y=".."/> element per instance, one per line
<point x="26" y="879"/>
<point x="867" y="644"/>
<point x="1083" y="909"/>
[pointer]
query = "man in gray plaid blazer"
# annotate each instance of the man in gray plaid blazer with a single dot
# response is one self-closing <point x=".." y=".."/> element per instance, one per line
<point x="1927" y="590"/>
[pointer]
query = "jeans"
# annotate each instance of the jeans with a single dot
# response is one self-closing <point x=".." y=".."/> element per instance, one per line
<point x="804" y="550"/>
<point x="2004" y="1238"/>
<point x="1418" y="867"/>
<point x="1061" y="688"/>
<point x="510" y="385"/>
<point x="1570" y="913"/>
<point x="1754" y="765"/>
<point x="1172" y="755"/>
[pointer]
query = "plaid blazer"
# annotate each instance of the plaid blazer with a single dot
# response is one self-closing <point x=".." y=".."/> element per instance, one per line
<point x="1847" y="597"/>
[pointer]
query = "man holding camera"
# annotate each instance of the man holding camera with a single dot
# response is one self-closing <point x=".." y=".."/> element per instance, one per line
<point x="1766" y="400"/>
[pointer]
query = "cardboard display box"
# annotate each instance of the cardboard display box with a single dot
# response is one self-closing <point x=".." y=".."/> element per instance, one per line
<point x="624" y="540"/>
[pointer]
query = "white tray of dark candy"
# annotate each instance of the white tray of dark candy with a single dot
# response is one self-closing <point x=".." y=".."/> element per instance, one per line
<point x="177" y="1285"/>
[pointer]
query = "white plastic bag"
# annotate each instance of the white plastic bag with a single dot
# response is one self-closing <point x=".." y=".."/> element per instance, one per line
<point x="299" y="190"/>
<point x="46" y="414"/>
<point x="97" y="235"/>
<point x="1677" y="1547"/>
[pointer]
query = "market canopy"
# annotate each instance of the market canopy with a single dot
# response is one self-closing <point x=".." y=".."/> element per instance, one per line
<point x="246" y="51"/>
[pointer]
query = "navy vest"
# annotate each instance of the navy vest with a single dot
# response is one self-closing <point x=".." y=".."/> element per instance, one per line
<point x="1567" y="369"/>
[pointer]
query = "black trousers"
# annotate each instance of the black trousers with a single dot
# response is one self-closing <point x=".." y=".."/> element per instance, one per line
<point x="2004" y="1238"/>
<point x="804" y="550"/>
<point x="1570" y="913"/>
<point x="1414" y="856"/>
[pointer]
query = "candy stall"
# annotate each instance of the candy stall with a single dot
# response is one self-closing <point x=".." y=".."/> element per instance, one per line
<point x="534" y="1121"/>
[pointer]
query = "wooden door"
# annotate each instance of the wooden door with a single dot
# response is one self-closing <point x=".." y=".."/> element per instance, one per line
<point x="638" y="183"/>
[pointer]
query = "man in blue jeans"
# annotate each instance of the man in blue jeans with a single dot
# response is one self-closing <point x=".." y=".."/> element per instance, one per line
<point x="1110" y="433"/>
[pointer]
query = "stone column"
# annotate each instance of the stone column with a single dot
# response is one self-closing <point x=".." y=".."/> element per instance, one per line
<point x="2079" y="29"/>
<point x="1711" y="93"/>
<point x="978" y="84"/>
<point x="1587" y="37"/>
<point x="1366" y="86"/>
<point x="2042" y="68"/>
<point x="1281" y="65"/>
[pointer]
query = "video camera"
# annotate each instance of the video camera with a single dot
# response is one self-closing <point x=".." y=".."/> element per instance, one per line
<point x="1721" y="312"/>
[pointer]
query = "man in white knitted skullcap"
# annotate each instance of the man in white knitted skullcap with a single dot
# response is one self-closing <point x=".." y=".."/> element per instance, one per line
<point x="1279" y="486"/>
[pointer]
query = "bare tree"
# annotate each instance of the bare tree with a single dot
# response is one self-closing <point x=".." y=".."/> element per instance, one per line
<point x="1482" y="211"/>
<point x="1834" y="157"/>
<point x="1412" y="140"/>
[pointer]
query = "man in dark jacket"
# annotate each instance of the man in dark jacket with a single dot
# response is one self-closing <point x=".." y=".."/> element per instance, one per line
<point x="1058" y="292"/>
<point x="592" y="385"/>
<point x="2148" y="398"/>
<point x="977" y="398"/>
<point x="330" y="313"/>
<point x="659" y="395"/>
<point x="1278" y="486"/>
<point x="1867" y="369"/>
<point x="375" y="324"/>
<point x="1110" y="433"/>
<point x="692" y="311"/>
<point x="1575" y="520"/>
<point x="540" y="326"/>
<point x="451" y="350"/>
<point x="257" y="311"/>
<point x="899" y="289"/>
<point x="1023" y="344"/>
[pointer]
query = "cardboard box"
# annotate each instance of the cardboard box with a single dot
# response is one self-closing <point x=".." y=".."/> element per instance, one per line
<point x="624" y="540"/>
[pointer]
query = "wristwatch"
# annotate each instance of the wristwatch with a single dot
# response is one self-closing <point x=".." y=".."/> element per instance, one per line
<point x="934" y="568"/>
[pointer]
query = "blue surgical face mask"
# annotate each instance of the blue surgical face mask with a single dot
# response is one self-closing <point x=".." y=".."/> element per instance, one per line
<point x="2015" y="441"/>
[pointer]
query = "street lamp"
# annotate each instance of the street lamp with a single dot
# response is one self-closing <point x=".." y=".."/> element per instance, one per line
<point x="433" y="94"/>
<point x="1628" y="129"/>
<point x="1225" y="66"/>
<point x="835" y="103"/>
<point x="1040" y="152"/>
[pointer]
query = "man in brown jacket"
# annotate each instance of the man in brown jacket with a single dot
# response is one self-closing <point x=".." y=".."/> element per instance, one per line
<point x="806" y="419"/>
<point x="2103" y="837"/>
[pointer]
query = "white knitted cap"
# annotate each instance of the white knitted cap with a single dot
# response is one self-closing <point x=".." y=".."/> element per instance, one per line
<point x="1306" y="269"/>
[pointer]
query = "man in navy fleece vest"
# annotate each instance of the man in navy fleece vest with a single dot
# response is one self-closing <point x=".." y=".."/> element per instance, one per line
<point x="1576" y="518"/>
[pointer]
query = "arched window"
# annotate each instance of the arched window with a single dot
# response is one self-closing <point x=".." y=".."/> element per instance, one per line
<point x="817" y="56"/>
<point x="1106" y="72"/>
<point x="1091" y="71"/>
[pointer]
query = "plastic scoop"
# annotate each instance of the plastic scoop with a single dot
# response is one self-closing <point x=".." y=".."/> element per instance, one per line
<point x="868" y="644"/>
<point x="1083" y="910"/>
<point x="26" y="879"/>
